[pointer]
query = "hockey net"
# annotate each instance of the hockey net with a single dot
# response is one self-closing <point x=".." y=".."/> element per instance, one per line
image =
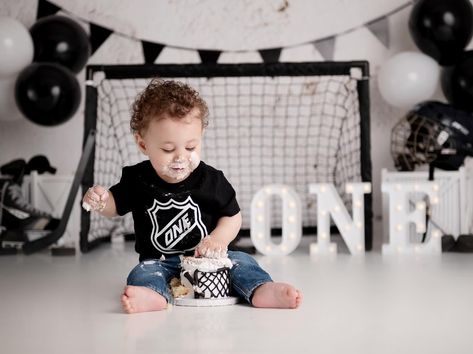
<point x="292" y="124"/>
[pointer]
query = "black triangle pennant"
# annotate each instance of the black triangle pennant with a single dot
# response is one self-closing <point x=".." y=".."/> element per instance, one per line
<point x="45" y="8"/>
<point x="151" y="51"/>
<point x="209" y="56"/>
<point x="98" y="35"/>
<point x="270" y="55"/>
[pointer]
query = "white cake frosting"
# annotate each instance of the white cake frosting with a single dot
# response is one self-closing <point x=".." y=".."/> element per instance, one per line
<point x="205" y="264"/>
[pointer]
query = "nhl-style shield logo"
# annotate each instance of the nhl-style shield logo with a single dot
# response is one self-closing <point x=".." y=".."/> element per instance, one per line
<point x="172" y="222"/>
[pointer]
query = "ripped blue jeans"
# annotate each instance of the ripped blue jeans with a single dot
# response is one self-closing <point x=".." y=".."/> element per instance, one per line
<point x="246" y="275"/>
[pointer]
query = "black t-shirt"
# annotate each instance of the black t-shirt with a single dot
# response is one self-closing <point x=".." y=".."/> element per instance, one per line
<point x="172" y="218"/>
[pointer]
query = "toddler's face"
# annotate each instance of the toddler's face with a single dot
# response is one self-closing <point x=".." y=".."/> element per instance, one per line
<point x="173" y="146"/>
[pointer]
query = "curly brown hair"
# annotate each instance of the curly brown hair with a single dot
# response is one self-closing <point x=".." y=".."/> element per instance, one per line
<point x="165" y="98"/>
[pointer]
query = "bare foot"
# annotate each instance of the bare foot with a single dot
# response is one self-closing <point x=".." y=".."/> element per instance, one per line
<point x="140" y="299"/>
<point x="277" y="295"/>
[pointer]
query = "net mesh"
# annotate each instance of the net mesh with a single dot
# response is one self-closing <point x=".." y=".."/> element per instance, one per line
<point x="292" y="130"/>
<point x="212" y="284"/>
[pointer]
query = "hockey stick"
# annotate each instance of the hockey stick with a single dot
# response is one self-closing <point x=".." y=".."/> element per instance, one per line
<point x="45" y="241"/>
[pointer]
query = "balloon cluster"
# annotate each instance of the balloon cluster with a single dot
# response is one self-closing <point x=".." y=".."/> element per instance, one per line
<point x="45" y="91"/>
<point x="441" y="29"/>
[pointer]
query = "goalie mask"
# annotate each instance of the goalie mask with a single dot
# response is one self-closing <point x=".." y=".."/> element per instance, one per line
<point x="432" y="133"/>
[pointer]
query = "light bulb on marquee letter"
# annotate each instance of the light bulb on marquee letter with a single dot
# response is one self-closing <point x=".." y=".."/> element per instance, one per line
<point x="291" y="220"/>
<point x="400" y="217"/>
<point x="329" y="204"/>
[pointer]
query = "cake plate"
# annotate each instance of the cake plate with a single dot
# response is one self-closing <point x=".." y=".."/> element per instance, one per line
<point x="224" y="301"/>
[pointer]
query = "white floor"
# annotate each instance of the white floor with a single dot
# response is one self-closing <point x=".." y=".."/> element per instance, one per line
<point x="351" y="305"/>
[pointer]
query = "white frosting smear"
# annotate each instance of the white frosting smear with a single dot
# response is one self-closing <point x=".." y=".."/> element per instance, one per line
<point x="179" y="169"/>
<point x="205" y="264"/>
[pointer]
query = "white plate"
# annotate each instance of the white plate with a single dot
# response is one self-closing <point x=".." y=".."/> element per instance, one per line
<point x="186" y="301"/>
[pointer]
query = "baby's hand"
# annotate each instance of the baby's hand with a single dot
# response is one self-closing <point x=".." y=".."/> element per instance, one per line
<point x="210" y="248"/>
<point x="95" y="199"/>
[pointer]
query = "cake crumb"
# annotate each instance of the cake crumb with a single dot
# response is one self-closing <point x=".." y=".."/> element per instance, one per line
<point x="178" y="290"/>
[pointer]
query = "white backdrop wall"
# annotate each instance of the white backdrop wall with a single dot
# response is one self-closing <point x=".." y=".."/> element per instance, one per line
<point x="239" y="29"/>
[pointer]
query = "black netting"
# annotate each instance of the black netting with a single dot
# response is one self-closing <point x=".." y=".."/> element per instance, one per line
<point x="212" y="284"/>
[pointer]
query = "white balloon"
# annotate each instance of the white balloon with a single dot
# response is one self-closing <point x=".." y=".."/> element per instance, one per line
<point x="408" y="78"/>
<point x="16" y="47"/>
<point x="8" y="109"/>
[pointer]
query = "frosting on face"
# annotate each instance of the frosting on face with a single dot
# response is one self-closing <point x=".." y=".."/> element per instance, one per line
<point x="179" y="169"/>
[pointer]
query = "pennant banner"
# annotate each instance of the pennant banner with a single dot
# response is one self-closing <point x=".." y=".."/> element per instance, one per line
<point x="98" y="35"/>
<point x="270" y="55"/>
<point x="209" y="56"/>
<point x="326" y="47"/>
<point x="151" y="51"/>
<point x="45" y="8"/>
<point x="380" y="28"/>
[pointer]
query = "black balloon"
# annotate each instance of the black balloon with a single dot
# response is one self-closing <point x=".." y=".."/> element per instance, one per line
<point x="442" y="28"/>
<point x="457" y="82"/>
<point x="59" y="39"/>
<point x="47" y="94"/>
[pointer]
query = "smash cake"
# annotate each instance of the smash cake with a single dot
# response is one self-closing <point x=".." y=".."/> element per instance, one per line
<point x="203" y="279"/>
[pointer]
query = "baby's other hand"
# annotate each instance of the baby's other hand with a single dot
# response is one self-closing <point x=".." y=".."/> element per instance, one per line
<point x="210" y="248"/>
<point x="95" y="199"/>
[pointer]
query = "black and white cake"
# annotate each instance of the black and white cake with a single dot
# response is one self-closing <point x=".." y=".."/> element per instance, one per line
<point x="206" y="278"/>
